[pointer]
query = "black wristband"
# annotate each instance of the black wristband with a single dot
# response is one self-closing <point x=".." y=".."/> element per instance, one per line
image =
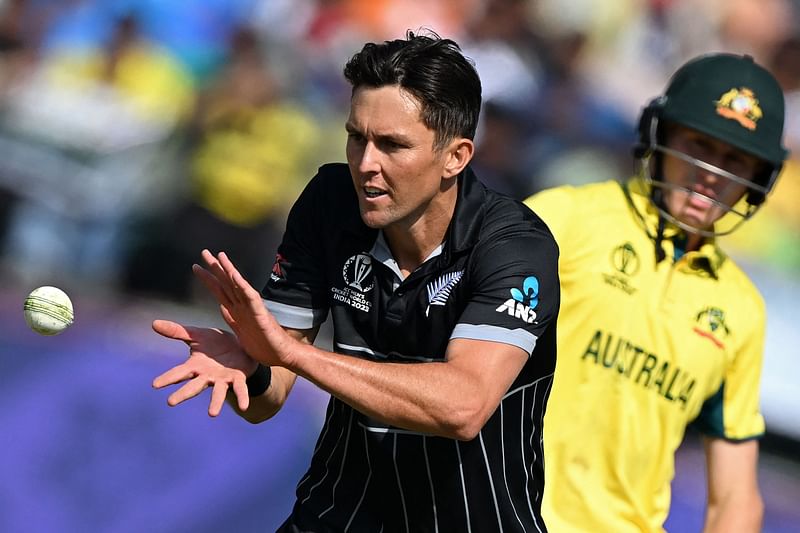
<point x="259" y="381"/>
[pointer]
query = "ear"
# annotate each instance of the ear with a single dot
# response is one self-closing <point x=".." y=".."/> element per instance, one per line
<point x="456" y="156"/>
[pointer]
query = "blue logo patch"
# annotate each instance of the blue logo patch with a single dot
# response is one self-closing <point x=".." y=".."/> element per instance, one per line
<point x="522" y="303"/>
<point x="529" y="294"/>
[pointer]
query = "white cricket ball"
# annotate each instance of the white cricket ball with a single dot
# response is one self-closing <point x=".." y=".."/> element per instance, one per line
<point x="48" y="310"/>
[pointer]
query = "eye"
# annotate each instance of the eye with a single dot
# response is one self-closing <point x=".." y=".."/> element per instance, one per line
<point x="391" y="145"/>
<point x="354" y="136"/>
<point x="739" y="166"/>
<point x="698" y="147"/>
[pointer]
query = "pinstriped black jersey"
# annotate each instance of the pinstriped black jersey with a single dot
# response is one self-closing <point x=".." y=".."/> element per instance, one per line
<point x="494" y="278"/>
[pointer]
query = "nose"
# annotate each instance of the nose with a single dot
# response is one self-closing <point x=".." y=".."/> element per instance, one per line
<point x="707" y="177"/>
<point x="705" y="170"/>
<point x="365" y="157"/>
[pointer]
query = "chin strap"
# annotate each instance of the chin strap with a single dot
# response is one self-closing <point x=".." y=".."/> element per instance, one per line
<point x="660" y="253"/>
<point x="657" y="195"/>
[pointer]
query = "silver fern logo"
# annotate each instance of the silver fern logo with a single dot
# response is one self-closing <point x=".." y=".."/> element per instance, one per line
<point x="439" y="290"/>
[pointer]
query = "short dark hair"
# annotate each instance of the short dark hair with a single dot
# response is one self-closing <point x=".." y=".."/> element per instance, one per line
<point x="433" y="70"/>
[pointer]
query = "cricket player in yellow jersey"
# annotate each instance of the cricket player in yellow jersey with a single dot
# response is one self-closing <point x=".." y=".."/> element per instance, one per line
<point x="658" y="327"/>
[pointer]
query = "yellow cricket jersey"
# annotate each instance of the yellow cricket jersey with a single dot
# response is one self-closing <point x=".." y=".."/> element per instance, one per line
<point x="644" y="349"/>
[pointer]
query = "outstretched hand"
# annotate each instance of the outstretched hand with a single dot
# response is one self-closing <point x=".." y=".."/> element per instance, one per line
<point x="215" y="360"/>
<point x="244" y="311"/>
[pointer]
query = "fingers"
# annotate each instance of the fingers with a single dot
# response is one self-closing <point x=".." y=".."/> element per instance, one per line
<point x="195" y="384"/>
<point x="211" y="283"/>
<point x="218" y="394"/>
<point x="174" y="375"/>
<point x="188" y="391"/>
<point x="235" y="286"/>
<point x="222" y="278"/>
<point x="241" y="285"/>
<point x="229" y="319"/>
<point x="242" y="394"/>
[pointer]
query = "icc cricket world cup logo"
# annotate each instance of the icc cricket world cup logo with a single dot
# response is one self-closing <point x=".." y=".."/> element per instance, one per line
<point x="625" y="260"/>
<point x="357" y="272"/>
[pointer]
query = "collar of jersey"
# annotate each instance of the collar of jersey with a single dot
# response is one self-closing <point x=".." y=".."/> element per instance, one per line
<point x="709" y="257"/>
<point x="467" y="219"/>
<point x="380" y="252"/>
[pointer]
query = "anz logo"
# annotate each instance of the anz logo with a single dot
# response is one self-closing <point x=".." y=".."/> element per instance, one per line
<point x="523" y="302"/>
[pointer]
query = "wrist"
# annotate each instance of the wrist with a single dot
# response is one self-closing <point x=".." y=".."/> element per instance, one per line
<point x="259" y="381"/>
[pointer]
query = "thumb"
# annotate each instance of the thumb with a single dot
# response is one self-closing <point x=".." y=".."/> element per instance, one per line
<point x="173" y="330"/>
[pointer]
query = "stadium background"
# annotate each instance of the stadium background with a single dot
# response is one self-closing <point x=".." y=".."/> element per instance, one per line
<point x="135" y="132"/>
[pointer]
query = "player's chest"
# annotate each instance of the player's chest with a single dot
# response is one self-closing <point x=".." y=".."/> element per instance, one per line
<point x="661" y="328"/>
<point x="409" y="315"/>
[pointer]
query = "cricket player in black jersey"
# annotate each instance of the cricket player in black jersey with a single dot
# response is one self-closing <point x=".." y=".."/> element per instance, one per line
<point x="444" y="297"/>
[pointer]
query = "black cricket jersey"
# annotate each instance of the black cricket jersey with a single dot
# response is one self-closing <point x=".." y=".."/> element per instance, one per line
<point x="495" y="278"/>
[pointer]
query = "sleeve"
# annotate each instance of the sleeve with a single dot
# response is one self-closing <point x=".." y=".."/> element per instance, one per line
<point x="556" y="207"/>
<point x="515" y="293"/>
<point x="296" y="292"/>
<point x="733" y="412"/>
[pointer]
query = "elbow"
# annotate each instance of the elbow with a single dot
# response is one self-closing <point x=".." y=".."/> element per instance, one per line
<point x="739" y="515"/>
<point x="466" y="433"/>
<point x="253" y="419"/>
<point x="466" y="423"/>
<point x="757" y="511"/>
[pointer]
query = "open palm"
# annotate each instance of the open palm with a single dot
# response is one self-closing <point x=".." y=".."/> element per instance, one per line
<point x="215" y="360"/>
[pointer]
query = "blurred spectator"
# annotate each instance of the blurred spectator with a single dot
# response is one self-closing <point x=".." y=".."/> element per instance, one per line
<point x="154" y="84"/>
<point x="389" y="19"/>
<point x="79" y="141"/>
<point x="18" y="43"/>
<point x="542" y="109"/>
<point x="15" y="57"/>
<point x="785" y="64"/>
<point x="755" y="27"/>
<point x="248" y="160"/>
<point x="507" y="55"/>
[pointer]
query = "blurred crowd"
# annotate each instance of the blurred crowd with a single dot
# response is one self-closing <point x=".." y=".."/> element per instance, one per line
<point x="133" y="133"/>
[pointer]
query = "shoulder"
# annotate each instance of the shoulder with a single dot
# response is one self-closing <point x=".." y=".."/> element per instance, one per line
<point x="506" y="217"/>
<point x="329" y="193"/>
<point x="332" y="179"/>
<point x="327" y="208"/>
<point x="573" y="212"/>
<point x="567" y="196"/>
<point x="738" y="283"/>
<point x="512" y="232"/>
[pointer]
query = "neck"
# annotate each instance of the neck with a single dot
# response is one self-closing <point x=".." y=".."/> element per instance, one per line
<point x="693" y="241"/>
<point x="412" y="243"/>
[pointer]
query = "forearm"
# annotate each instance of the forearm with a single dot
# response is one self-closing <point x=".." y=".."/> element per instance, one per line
<point x="743" y="513"/>
<point x="425" y="397"/>
<point x="734" y="499"/>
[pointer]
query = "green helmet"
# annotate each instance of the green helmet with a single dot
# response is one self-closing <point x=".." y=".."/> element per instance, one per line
<point x="731" y="98"/>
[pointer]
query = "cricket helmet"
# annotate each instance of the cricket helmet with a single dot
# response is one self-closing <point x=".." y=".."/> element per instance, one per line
<point x="730" y="98"/>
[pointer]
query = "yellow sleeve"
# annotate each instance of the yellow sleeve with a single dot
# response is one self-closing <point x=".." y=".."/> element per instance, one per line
<point x="555" y="207"/>
<point x="733" y="413"/>
<point x="743" y="419"/>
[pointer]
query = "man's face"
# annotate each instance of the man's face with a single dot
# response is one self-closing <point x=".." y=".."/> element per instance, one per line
<point x="694" y="206"/>
<point x="396" y="171"/>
